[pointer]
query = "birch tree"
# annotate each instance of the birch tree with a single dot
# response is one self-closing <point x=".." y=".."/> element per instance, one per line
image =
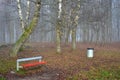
<point x="58" y="28"/>
<point x="74" y="20"/>
<point x="29" y="29"/>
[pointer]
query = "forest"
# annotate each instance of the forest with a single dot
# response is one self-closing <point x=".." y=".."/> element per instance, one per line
<point x="62" y="30"/>
<point x="98" y="21"/>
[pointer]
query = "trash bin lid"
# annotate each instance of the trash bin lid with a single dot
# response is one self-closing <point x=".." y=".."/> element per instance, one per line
<point x="90" y="48"/>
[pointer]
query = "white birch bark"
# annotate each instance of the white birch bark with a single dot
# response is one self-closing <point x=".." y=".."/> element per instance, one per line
<point x="60" y="8"/>
<point x="28" y="12"/>
<point x="58" y="36"/>
<point x="20" y="14"/>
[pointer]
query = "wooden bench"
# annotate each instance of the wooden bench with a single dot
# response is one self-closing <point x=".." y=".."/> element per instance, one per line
<point x="26" y="65"/>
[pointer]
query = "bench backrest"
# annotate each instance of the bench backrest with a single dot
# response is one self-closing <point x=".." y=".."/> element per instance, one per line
<point x="28" y="59"/>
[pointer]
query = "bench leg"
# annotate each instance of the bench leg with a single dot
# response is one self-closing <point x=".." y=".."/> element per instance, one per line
<point x="17" y="66"/>
<point x="40" y="60"/>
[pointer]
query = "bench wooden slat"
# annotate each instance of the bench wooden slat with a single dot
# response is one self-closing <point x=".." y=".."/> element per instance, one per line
<point x="29" y="59"/>
<point x="33" y="64"/>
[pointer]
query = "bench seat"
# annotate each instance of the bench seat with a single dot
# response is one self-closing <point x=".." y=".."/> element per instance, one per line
<point x="32" y="64"/>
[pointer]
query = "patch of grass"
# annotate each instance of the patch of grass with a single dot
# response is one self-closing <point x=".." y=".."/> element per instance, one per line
<point x="115" y="74"/>
<point x="104" y="74"/>
<point x="2" y="78"/>
<point x="21" y="72"/>
<point x="6" y="65"/>
<point x="76" y="77"/>
<point x="97" y="74"/>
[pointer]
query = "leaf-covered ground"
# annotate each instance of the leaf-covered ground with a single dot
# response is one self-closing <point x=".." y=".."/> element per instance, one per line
<point x="69" y="65"/>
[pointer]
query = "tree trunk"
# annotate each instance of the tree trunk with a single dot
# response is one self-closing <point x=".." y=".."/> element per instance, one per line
<point x="58" y="28"/>
<point x="27" y="31"/>
<point x="73" y="39"/>
<point x="74" y="19"/>
<point x="58" y="37"/>
<point x="58" y="42"/>
<point x="67" y="36"/>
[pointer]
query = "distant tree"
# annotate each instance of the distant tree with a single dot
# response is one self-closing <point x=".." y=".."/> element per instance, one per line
<point x="75" y="9"/>
<point x="96" y="20"/>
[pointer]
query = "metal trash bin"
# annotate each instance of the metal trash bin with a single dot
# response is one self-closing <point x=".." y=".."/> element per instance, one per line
<point x="90" y="52"/>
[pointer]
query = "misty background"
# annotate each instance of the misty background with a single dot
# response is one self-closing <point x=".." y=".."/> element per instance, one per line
<point x="99" y="21"/>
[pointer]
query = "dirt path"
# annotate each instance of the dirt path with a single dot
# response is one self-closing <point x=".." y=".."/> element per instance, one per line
<point x="46" y="75"/>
